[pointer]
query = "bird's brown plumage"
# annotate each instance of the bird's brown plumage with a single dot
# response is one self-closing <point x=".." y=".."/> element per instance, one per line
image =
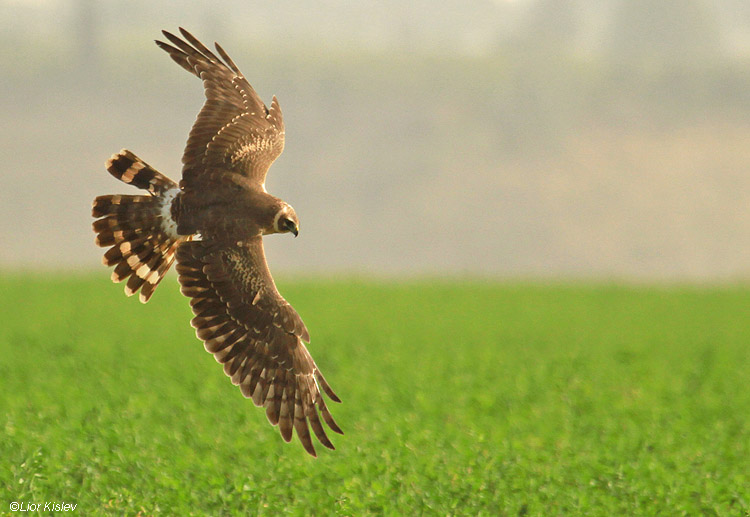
<point x="234" y="129"/>
<point x="255" y="334"/>
<point x="213" y="224"/>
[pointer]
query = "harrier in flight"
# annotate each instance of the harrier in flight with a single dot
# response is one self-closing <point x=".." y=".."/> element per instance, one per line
<point x="213" y="223"/>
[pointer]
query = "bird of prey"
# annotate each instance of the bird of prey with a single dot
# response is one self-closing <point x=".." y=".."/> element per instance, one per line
<point x="213" y="223"/>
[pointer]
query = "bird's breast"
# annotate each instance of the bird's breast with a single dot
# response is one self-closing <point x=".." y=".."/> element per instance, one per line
<point x="226" y="211"/>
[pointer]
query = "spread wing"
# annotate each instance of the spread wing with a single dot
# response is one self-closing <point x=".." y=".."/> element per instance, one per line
<point x="234" y="129"/>
<point x="257" y="336"/>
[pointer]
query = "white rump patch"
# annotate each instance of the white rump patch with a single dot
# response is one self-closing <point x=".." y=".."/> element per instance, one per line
<point x="169" y="225"/>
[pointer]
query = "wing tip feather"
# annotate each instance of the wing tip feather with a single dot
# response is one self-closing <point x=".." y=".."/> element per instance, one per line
<point x="263" y="388"/>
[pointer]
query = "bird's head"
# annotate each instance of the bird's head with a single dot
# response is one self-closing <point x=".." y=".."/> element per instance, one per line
<point x="286" y="220"/>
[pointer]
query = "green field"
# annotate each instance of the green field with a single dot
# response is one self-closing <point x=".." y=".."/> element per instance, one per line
<point x="459" y="398"/>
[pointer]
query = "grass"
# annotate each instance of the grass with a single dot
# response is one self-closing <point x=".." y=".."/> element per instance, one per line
<point x="459" y="398"/>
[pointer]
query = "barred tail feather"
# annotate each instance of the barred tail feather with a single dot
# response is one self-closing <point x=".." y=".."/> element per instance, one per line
<point x="139" y="230"/>
<point x="128" y="168"/>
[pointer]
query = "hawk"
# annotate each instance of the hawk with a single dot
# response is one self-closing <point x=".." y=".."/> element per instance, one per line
<point x="213" y="224"/>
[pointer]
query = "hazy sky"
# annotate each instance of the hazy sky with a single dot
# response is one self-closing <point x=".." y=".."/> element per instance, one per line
<point x="575" y="138"/>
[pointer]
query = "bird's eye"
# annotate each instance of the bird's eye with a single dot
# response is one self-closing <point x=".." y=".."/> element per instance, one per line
<point x="290" y="226"/>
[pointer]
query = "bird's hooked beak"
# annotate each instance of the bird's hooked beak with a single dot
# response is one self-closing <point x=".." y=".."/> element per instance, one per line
<point x="291" y="227"/>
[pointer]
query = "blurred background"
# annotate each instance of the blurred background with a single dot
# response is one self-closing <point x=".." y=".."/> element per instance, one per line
<point x="527" y="138"/>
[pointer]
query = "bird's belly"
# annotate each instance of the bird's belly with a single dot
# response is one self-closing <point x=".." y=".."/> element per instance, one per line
<point x="220" y="221"/>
